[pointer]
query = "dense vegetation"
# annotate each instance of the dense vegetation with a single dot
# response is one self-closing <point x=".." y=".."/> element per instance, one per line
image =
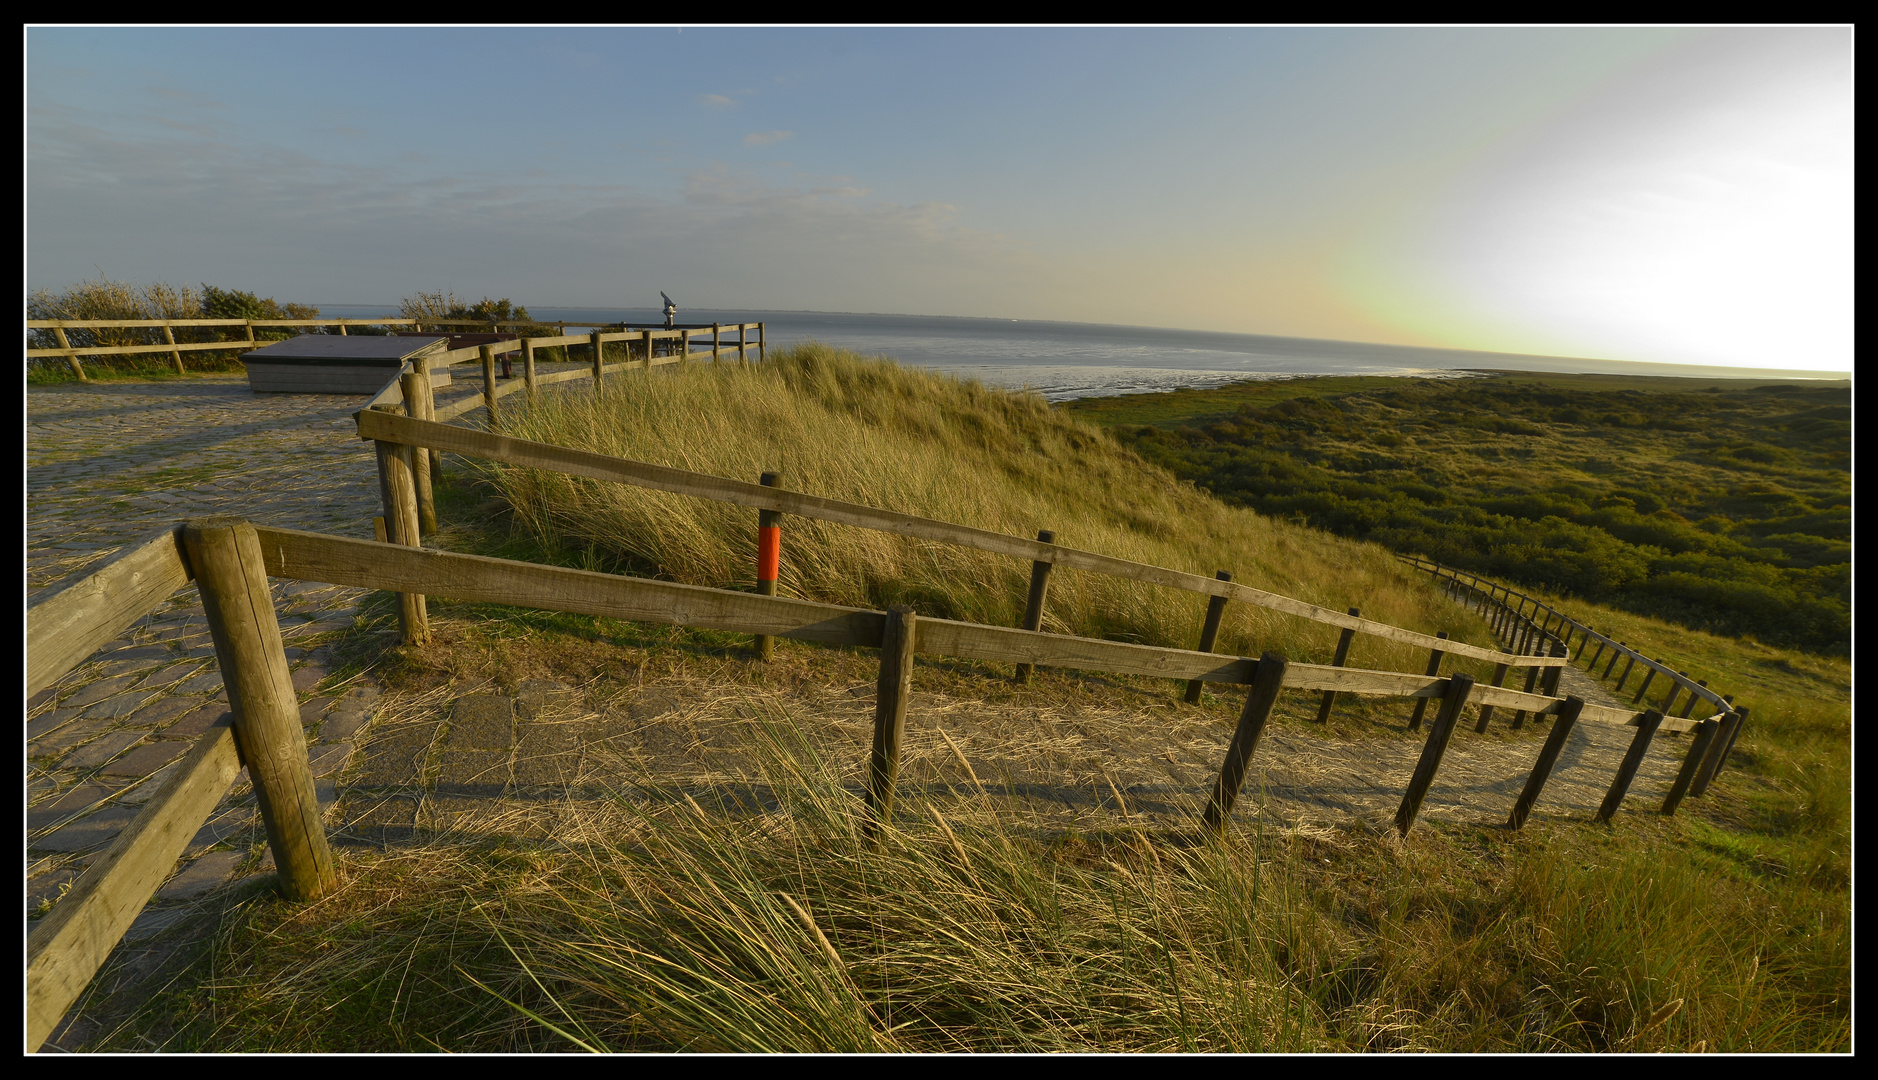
<point x="1720" y="507"/>
<point x="104" y="298"/>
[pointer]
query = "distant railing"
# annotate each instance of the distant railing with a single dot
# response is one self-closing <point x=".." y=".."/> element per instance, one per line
<point x="685" y="335"/>
<point x="1515" y="612"/>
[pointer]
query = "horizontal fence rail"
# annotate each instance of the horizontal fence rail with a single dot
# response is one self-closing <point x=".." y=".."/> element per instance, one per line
<point x="389" y="427"/>
<point x="1608" y="647"/>
<point x="261" y="731"/>
<point x="686" y="338"/>
<point x="308" y="556"/>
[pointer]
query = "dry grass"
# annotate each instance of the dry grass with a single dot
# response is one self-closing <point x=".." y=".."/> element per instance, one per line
<point x="901" y="439"/>
<point x="703" y="882"/>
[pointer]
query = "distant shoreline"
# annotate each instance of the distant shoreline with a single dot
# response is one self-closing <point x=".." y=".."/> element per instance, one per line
<point x="953" y="341"/>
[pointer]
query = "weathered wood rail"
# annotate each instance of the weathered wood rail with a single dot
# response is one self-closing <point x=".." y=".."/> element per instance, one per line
<point x="383" y="425"/>
<point x="261" y="732"/>
<point x="1538" y="617"/>
<point x="1514" y="608"/>
<point x="679" y="341"/>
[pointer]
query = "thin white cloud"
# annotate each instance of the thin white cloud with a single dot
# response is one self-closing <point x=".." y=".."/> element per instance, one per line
<point x="716" y="101"/>
<point x="165" y="207"/>
<point x="767" y="138"/>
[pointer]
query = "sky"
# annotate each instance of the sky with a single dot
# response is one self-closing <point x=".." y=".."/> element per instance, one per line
<point x="1667" y="195"/>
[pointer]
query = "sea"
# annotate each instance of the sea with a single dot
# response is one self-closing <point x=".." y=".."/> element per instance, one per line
<point x="1065" y="360"/>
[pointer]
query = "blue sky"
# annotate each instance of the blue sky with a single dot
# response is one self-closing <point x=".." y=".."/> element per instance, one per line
<point x="1668" y="195"/>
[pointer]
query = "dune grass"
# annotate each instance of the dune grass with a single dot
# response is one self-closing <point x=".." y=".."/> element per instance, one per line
<point x="970" y="929"/>
<point x="901" y="439"/>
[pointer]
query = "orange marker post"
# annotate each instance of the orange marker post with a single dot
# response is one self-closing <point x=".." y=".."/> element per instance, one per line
<point x="768" y="558"/>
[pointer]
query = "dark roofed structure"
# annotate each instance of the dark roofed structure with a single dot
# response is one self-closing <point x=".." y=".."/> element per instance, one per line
<point x="334" y="363"/>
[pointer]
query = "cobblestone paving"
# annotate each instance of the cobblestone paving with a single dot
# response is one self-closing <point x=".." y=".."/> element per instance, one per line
<point x="108" y="466"/>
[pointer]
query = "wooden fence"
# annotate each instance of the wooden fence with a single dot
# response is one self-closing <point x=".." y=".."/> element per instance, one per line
<point x="1510" y="608"/>
<point x="230" y="561"/>
<point x="680" y="339"/>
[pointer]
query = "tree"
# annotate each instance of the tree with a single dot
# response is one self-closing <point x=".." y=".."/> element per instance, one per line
<point x="235" y="304"/>
<point x="445" y="305"/>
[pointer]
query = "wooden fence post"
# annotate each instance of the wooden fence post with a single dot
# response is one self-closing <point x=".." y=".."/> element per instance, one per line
<point x="175" y="356"/>
<point x="768" y="559"/>
<point x="1616" y="655"/>
<point x="595" y="339"/>
<point x="1649" y="672"/>
<point x="1343" y="654"/>
<point x="399" y="494"/>
<point x="1630" y="661"/>
<point x="421" y="364"/>
<point x="1717" y="750"/>
<point x="1675" y="690"/>
<point x="1614" y="798"/>
<point x="1434" y="668"/>
<point x="1593" y="665"/>
<point x="226" y="556"/>
<point x="1548" y="756"/>
<point x="1519" y="715"/>
<point x="891" y="692"/>
<point x="1486" y="711"/>
<point x="495" y="328"/>
<point x="71" y="360"/>
<point x="414" y="385"/>
<point x="489" y="386"/>
<point x="1033" y="603"/>
<point x="528" y="364"/>
<point x="1734" y="732"/>
<point x="1691" y="764"/>
<point x="1267" y="680"/>
<point x="1549" y="685"/>
<point x="1693" y="698"/>
<point x="716" y="348"/>
<point x="1209" y="631"/>
<point x="648" y="350"/>
<point x="743" y="345"/>
<point x="1446" y="718"/>
<point x="759" y="343"/>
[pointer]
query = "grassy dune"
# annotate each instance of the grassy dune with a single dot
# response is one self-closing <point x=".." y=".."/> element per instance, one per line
<point x="873" y="432"/>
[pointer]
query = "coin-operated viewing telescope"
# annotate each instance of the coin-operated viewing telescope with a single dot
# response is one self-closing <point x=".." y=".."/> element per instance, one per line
<point x="671" y="309"/>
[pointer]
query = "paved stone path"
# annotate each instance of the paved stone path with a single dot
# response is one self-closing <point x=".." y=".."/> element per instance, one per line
<point x="110" y="465"/>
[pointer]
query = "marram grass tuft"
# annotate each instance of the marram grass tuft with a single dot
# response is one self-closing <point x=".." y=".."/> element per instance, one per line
<point x="870" y="431"/>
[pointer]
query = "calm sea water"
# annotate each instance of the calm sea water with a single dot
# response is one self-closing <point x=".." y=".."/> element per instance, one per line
<point x="1062" y="360"/>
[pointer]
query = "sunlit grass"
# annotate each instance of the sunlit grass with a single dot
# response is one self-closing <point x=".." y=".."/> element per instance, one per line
<point x="969" y="928"/>
<point x="901" y="439"/>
